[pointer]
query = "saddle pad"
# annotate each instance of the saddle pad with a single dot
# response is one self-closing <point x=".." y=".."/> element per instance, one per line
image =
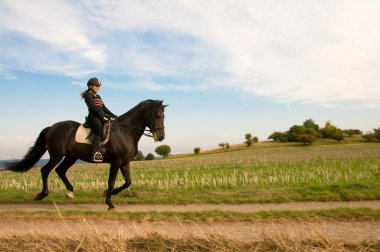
<point x="82" y="134"/>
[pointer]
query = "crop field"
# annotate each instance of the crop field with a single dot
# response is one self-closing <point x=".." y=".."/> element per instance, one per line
<point x="252" y="175"/>
<point x="264" y="173"/>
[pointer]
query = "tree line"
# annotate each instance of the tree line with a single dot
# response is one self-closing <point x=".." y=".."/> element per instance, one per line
<point x="309" y="132"/>
<point x="306" y="133"/>
<point x="162" y="150"/>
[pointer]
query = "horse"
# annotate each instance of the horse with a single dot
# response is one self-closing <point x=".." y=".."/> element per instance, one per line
<point x="122" y="147"/>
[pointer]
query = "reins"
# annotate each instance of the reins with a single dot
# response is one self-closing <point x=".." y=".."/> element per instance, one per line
<point x="138" y="130"/>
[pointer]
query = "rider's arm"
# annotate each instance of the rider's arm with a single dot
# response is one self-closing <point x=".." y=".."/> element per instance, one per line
<point x="105" y="109"/>
<point x="89" y="99"/>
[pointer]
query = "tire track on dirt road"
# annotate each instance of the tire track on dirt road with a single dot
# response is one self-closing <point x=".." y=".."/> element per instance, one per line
<point x="245" y="208"/>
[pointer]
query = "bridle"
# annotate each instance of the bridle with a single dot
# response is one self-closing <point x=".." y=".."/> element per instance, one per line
<point x="138" y="130"/>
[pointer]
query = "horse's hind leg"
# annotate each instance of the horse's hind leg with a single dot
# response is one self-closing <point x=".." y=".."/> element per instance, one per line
<point x="45" y="171"/>
<point x="61" y="171"/>
<point x="126" y="171"/>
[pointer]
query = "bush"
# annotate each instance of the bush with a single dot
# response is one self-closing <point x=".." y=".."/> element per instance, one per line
<point x="255" y="139"/>
<point x="369" y="136"/>
<point x="306" y="139"/>
<point x="139" y="156"/>
<point x="339" y="136"/>
<point x="197" y="150"/>
<point x="163" y="150"/>
<point x="150" y="156"/>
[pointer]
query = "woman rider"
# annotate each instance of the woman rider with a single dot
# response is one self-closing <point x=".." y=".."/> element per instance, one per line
<point x="97" y="115"/>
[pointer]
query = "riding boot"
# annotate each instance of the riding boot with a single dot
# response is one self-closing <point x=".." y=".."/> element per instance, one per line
<point x="96" y="155"/>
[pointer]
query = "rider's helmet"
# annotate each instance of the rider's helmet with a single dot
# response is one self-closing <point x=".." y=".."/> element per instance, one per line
<point x="94" y="82"/>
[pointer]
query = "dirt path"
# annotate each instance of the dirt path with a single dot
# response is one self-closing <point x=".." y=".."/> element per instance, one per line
<point x="249" y="231"/>
<point x="293" y="206"/>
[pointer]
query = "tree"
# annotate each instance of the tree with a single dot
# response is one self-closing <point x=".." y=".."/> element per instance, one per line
<point x="279" y="137"/>
<point x="139" y="156"/>
<point x="310" y="124"/>
<point x="255" y="139"/>
<point x="227" y="145"/>
<point x="369" y="136"/>
<point x="329" y="131"/>
<point x="197" y="150"/>
<point x="351" y="132"/>
<point x="294" y="132"/>
<point x="376" y="132"/>
<point x="222" y="145"/>
<point x="150" y="156"/>
<point x="248" y="139"/>
<point x="163" y="150"/>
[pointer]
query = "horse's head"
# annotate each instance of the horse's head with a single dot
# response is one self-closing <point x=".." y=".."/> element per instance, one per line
<point x="155" y="121"/>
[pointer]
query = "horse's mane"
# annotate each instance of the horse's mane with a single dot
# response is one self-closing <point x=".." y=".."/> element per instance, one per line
<point x="142" y="106"/>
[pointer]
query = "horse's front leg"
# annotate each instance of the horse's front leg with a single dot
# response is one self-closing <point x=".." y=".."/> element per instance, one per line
<point x="114" y="167"/>
<point x="126" y="171"/>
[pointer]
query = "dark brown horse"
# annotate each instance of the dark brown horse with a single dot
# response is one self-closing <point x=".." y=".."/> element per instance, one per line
<point x="59" y="141"/>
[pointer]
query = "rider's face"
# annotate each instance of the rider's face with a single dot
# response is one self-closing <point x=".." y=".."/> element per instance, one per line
<point x="95" y="88"/>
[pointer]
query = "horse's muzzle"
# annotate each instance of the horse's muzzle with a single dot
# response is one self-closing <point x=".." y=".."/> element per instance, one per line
<point x="159" y="135"/>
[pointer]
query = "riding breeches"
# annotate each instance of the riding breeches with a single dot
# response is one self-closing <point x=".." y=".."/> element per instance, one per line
<point x="96" y="125"/>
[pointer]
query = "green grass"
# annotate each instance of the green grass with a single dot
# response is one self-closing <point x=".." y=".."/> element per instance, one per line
<point x="268" y="173"/>
<point x="340" y="214"/>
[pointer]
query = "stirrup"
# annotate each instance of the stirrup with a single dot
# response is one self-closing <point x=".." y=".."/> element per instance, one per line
<point x="98" y="157"/>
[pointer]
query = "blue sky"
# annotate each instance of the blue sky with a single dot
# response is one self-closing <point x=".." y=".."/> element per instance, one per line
<point x="225" y="67"/>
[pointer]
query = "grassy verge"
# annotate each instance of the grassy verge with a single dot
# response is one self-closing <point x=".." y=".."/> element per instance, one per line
<point x="93" y="241"/>
<point x="342" y="214"/>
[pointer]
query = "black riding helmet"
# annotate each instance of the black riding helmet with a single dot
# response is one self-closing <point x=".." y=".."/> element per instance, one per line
<point x="94" y="82"/>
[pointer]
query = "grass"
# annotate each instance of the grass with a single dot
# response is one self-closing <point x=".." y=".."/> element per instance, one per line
<point x="264" y="173"/>
<point x="338" y="214"/>
<point x="91" y="240"/>
<point x="156" y="242"/>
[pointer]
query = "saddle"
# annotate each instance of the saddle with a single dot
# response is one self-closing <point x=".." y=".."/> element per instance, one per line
<point x="85" y="135"/>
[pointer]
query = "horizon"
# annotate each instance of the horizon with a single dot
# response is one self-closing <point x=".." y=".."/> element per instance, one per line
<point x="226" y="68"/>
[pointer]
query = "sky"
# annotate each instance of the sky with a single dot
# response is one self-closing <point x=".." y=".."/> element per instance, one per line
<point x="225" y="67"/>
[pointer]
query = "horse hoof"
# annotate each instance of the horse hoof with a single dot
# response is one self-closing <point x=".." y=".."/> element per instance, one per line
<point x="40" y="196"/>
<point x="111" y="208"/>
<point x="69" y="195"/>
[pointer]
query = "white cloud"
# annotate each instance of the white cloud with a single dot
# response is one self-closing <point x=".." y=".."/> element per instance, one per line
<point x="324" y="52"/>
<point x="4" y="73"/>
<point x="48" y="36"/>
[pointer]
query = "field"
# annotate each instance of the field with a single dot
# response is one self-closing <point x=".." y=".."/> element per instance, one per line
<point x="264" y="174"/>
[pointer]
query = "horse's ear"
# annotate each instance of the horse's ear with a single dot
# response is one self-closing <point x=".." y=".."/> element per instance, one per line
<point x="164" y="106"/>
<point x="161" y="102"/>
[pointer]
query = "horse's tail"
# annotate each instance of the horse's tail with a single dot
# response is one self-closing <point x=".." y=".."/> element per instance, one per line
<point x="32" y="156"/>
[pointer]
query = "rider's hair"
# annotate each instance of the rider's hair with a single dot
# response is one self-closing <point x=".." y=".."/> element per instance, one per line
<point x="84" y="92"/>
